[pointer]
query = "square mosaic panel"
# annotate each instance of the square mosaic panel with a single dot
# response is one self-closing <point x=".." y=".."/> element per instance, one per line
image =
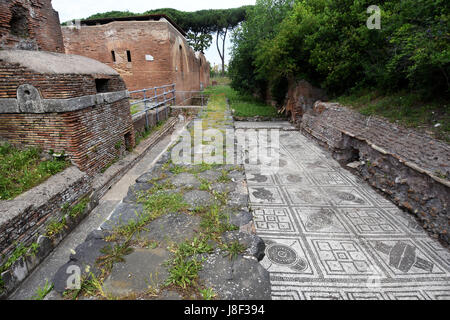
<point x="343" y="258"/>
<point x="274" y="220"/>
<point x="260" y="179"/>
<point x="313" y="196"/>
<point x="294" y="178"/>
<point x="403" y="258"/>
<point x="317" y="165"/>
<point x="265" y="195"/>
<point x="347" y="197"/>
<point x="330" y="179"/>
<point x="320" y="221"/>
<point x="370" y="222"/>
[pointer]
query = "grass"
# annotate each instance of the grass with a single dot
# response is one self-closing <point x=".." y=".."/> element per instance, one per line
<point x="20" y="251"/>
<point x="135" y="109"/>
<point x="55" y="227"/>
<point x="77" y="209"/>
<point x="233" y="249"/>
<point x="405" y="108"/>
<point x="184" y="266"/>
<point x="140" y="136"/>
<point x="113" y="254"/>
<point x="41" y="293"/>
<point x="221" y="80"/>
<point x="156" y="204"/>
<point x="244" y="105"/>
<point x="21" y="170"/>
<point x="208" y="294"/>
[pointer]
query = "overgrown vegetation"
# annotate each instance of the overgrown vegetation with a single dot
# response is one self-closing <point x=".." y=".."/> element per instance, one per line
<point x="328" y="43"/>
<point x="243" y="104"/>
<point x="406" y="108"/>
<point x="21" y="170"/>
<point x="41" y="293"/>
<point x="187" y="257"/>
<point x="20" y="251"/>
<point x="140" y="136"/>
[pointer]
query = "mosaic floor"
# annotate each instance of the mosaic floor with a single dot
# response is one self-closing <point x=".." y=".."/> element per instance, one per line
<point x="330" y="236"/>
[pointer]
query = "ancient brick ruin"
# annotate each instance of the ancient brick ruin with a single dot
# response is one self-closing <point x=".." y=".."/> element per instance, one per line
<point x="59" y="102"/>
<point x="147" y="51"/>
<point x="30" y="25"/>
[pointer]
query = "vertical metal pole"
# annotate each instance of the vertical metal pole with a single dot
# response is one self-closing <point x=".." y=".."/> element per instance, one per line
<point x="146" y="111"/>
<point x="156" y="105"/>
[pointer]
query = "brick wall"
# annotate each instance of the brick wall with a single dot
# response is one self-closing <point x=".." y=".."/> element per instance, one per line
<point x="30" y="25"/>
<point x="93" y="137"/>
<point x="52" y="86"/>
<point x="174" y="60"/>
<point x="26" y="217"/>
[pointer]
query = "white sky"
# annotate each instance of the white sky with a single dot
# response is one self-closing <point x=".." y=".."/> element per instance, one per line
<point x="79" y="9"/>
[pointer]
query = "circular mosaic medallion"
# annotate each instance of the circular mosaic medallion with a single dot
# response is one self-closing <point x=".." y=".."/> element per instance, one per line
<point x="282" y="255"/>
<point x="346" y="196"/>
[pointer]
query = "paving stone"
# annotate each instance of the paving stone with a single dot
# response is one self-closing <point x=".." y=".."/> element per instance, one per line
<point x="224" y="187"/>
<point x="84" y="259"/>
<point x="240" y="218"/>
<point x="186" y="180"/>
<point x="122" y="215"/>
<point x="135" y="190"/>
<point x="172" y="227"/>
<point x="237" y="200"/>
<point x="237" y="279"/>
<point x="142" y="270"/>
<point x="254" y="244"/>
<point x="196" y="198"/>
<point x="155" y="173"/>
<point x="236" y="175"/>
<point x="210" y="175"/>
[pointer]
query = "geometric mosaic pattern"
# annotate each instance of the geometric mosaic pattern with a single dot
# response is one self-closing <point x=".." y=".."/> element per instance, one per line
<point x="329" y="236"/>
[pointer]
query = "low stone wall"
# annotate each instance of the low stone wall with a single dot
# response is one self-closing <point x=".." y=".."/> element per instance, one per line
<point x="409" y="167"/>
<point x="139" y="121"/>
<point x="27" y="218"/>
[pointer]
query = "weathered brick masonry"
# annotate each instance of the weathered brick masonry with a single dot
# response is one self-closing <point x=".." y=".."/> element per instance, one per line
<point x="30" y="25"/>
<point x="411" y="168"/>
<point x="65" y="103"/>
<point x="146" y="53"/>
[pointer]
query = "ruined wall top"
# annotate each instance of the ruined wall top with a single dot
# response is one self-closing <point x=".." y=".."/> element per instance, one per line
<point x="30" y="25"/>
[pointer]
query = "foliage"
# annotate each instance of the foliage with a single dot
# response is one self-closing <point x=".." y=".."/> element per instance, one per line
<point x="407" y="108"/>
<point x="41" y="293"/>
<point x="208" y="294"/>
<point x="261" y="23"/>
<point x="199" y="25"/>
<point x="328" y="43"/>
<point x="21" y="170"/>
<point x="244" y="104"/>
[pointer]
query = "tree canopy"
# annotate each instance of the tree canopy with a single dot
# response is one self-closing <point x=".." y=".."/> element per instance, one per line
<point x="199" y="25"/>
<point x="328" y="43"/>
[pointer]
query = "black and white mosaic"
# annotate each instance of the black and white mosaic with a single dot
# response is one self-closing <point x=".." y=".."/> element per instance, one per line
<point x="330" y="236"/>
